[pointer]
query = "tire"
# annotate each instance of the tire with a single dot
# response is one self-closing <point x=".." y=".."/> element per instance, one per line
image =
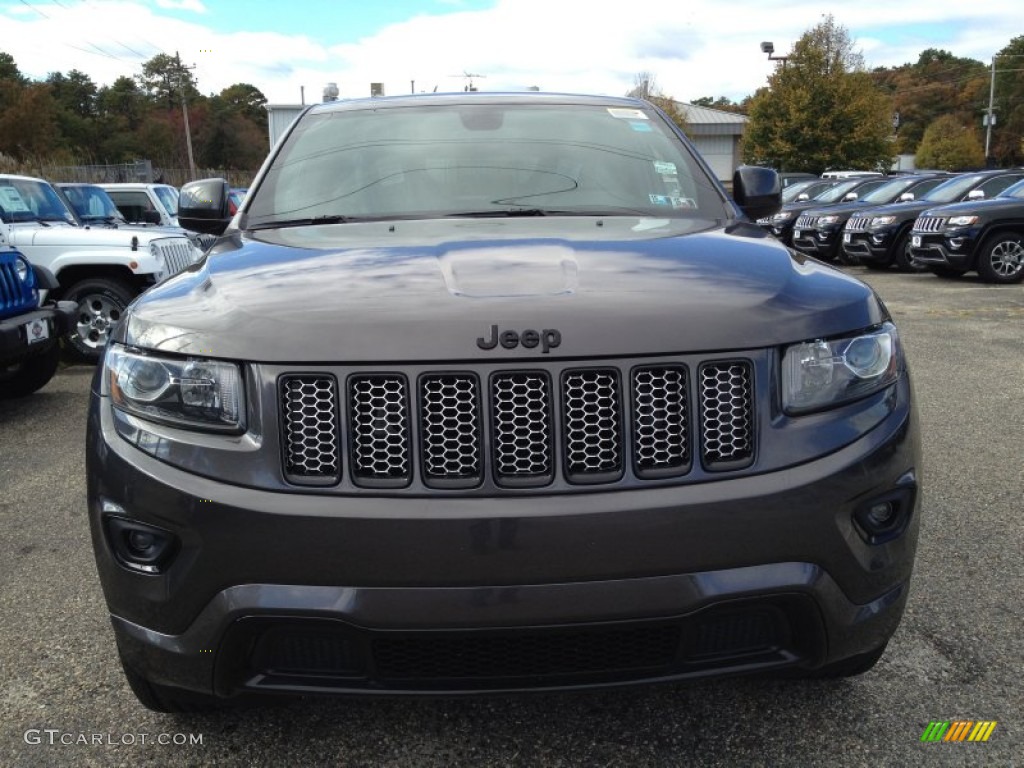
<point x="904" y="260"/>
<point x="163" y="698"/>
<point x="1001" y="259"/>
<point x="851" y="667"/>
<point x="101" y="303"/>
<point x="29" y="374"/>
<point x="947" y="273"/>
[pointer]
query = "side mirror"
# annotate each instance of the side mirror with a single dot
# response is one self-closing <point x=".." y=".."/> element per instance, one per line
<point x="850" y="197"/>
<point x="757" y="191"/>
<point x="802" y="197"/>
<point x="906" y="197"/>
<point x="975" y="194"/>
<point x="152" y="217"/>
<point x="203" y="206"/>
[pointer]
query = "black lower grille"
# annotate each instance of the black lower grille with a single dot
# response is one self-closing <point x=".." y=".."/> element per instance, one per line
<point x="521" y="655"/>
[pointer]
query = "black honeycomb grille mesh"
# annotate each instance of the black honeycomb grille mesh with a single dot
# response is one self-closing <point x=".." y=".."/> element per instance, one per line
<point x="450" y="411"/>
<point x="593" y="429"/>
<point x="310" y="406"/>
<point x="660" y="419"/>
<point x="514" y="427"/>
<point x="379" y="425"/>
<point x="521" y="407"/>
<point x="727" y="421"/>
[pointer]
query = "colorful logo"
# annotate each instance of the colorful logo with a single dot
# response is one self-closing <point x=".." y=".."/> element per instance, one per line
<point x="959" y="730"/>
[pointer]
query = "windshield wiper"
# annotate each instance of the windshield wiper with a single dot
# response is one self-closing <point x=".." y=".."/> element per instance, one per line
<point x="331" y="219"/>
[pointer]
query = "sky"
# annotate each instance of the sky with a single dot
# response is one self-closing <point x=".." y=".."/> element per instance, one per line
<point x="694" y="48"/>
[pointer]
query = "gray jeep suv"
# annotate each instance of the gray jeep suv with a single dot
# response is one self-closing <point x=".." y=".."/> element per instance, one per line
<point x="497" y="392"/>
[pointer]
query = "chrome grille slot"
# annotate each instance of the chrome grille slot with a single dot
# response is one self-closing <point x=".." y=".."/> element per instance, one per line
<point x="521" y="419"/>
<point x="930" y="224"/>
<point x="727" y="421"/>
<point x="805" y="222"/>
<point x="857" y="224"/>
<point x="309" y="405"/>
<point x="661" y="407"/>
<point x="450" y="431"/>
<point x="593" y="424"/>
<point x="379" y="427"/>
<point x="178" y="253"/>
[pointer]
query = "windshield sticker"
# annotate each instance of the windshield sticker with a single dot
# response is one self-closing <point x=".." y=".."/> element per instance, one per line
<point x="627" y="114"/>
<point x="636" y="125"/>
<point x="660" y="199"/>
<point x="11" y="200"/>
<point x="665" y="169"/>
<point x="684" y="202"/>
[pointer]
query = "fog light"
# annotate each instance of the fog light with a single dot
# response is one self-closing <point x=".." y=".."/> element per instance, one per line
<point x="141" y="547"/>
<point x="956" y="243"/>
<point x="877" y="239"/>
<point x="885" y="517"/>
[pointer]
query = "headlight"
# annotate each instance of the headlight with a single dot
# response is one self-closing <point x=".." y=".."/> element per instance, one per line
<point x="827" y="220"/>
<point x="24" y="271"/>
<point x="194" y="393"/>
<point x="823" y="374"/>
<point x="778" y="218"/>
<point x="882" y="221"/>
<point x="961" y="221"/>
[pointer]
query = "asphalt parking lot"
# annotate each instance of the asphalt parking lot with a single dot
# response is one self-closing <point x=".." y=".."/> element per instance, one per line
<point x="959" y="654"/>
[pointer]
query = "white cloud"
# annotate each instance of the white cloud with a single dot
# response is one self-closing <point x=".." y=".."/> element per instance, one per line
<point x="182" y="5"/>
<point x="697" y="48"/>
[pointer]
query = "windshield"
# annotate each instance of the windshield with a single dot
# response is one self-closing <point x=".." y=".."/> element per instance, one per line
<point x="169" y="199"/>
<point x="1016" y="191"/>
<point x="838" y="192"/>
<point x="889" y="191"/>
<point x="953" y="189"/>
<point x="483" y="159"/>
<point x="91" y="203"/>
<point x="30" y="200"/>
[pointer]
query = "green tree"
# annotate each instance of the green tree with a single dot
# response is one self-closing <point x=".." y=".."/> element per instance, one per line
<point x="1007" y="148"/>
<point x="722" y="102"/>
<point x="164" y="77"/>
<point x="950" y="146"/>
<point x="247" y="101"/>
<point x="28" y="122"/>
<point x="821" y="110"/>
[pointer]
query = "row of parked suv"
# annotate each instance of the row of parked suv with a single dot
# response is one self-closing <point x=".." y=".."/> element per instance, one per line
<point x="72" y="258"/>
<point x="930" y="221"/>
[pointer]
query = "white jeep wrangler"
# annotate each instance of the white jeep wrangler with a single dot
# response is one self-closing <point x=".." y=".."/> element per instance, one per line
<point x="100" y="269"/>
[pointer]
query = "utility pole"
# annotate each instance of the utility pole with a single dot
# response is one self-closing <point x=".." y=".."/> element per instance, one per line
<point x="991" y="98"/>
<point x="184" y="111"/>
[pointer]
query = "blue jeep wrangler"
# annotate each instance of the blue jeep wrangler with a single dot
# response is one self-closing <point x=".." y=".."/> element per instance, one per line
<point x="29" y="333"/>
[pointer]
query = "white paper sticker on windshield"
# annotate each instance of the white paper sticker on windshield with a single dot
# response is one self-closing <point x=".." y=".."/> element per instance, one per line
<point x="11" y="200"/>
<point x="627" y="114"/>
<point x="664" y="169"/>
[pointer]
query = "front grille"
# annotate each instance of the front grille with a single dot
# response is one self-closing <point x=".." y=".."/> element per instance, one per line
<point x="857" y="224"/>
<point x="518" y="427"/>
<point x="805" y="222"/>
<point x="13" y="293"/>
<point x="379" y="422"/>
<point x="930" y="224"/>
<point x="727" y="413"/>
<point x="521" y="413"/>
<point x="178" y="253"/>
<point x="593" y="428"/>
<point x="309" y="404"/>
<point x="436" y="656"/>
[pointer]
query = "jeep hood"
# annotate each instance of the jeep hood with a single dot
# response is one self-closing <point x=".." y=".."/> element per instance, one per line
<point x="84" y="237"/>
<point x="427" y="290"/>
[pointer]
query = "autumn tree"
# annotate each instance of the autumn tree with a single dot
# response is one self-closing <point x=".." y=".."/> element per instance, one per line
<point x="645" y="86"/>
<point x="821" y="109"/>
<point x="1007" y="147"/>
<point x="948" y="145"/>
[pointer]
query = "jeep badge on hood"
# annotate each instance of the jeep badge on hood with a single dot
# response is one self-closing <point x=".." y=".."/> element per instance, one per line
<point x="549" y="338"/>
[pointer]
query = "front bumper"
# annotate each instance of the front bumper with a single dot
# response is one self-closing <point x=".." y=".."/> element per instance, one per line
<point x="868" y="246"/>
<point x="14" y="339"/>
<point x="278" y="592"/>
<point x="822" y="244"/>
<point x="936" y="250"/>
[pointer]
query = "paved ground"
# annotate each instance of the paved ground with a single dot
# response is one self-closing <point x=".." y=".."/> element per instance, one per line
<point x="959" y="653"/>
